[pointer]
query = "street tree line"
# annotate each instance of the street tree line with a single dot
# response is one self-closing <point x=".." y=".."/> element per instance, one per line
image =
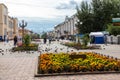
<point x="95" y="16"/>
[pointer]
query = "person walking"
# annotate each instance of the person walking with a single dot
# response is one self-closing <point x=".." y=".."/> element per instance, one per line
<point x="6" y="40"/>
<point x="50" y="39"/>
<point x="105" y="39"/>
<point x="45" y="40"/>
<point x="15" y="40"/>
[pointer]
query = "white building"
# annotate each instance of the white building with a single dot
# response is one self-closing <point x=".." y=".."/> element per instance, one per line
<point x="66" y="28"/>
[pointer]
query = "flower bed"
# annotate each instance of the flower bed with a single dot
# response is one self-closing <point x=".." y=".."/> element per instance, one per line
<point x="76" y="62"/>
<point x="30" y="47"/>
<point x="80" y="46"/>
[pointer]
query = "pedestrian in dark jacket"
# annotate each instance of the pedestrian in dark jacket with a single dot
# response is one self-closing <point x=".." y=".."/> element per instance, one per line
<point x="50" y="39"/>
<point x="45" y="40"/>
<point x="15" y="40"/>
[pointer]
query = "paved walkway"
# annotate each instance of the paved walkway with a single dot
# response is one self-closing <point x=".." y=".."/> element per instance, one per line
<point x="21" y="66"/>
<point x="112" y="50"/>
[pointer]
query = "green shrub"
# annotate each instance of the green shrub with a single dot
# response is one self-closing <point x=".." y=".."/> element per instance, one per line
<point x="69" y="44"/>
<point x="81" y="46"/>
<point x="31" y="47"/>
<point x="83" y="56"/>
<point x="27" y="39"/>
<point x="24" y="49"/>
<point x="85" y="39"/>
<point x="114" y="30"/>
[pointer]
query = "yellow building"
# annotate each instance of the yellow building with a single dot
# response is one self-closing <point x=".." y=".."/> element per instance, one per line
<point x="8" y="25"/>
<point x="26" y="31"/>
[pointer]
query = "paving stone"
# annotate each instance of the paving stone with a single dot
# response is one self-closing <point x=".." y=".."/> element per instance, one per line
<point x="21" y="66"/>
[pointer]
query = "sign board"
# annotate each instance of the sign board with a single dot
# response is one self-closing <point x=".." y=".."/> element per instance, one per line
<point x="116" y="21"/>
<point x="116" y="24"/>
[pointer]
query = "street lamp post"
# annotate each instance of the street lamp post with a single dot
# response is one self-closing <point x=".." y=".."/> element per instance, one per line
<point x="23" y="25"/>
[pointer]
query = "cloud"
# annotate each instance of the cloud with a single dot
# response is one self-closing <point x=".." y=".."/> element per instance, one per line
<point x="70" y="5"/>
<point x="41" y="15"/>
<point x="39" y="25"/>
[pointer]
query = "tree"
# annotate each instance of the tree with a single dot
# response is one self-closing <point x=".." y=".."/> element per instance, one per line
<point x="44" y="35"/>
<point x="96" y="15"/>
<point x="27" y="40"/>
<point x="85" y="17"/>
<point x="85" y="39"/>
<point x="104" y="11"/>
<point x="114" y="30"/>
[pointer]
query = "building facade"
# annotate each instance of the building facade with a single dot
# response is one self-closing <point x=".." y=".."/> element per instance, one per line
<point x="66" y="29"/>
<point x="50" y="34"/>
<point x="8" y="25"/>
<point x="26" y="31"/>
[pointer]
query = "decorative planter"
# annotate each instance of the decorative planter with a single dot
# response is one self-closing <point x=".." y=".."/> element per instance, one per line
<point x="72" y="69"/>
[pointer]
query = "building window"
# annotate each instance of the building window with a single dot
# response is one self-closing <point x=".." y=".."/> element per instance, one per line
<point x="5" y="31"/>
<point x="5" y="19"/>
<point x="11" y="33"/>
<point x="10" y="24"/>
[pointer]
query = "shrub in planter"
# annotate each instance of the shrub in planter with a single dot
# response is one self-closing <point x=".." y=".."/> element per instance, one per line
<point x="27" y="39"/>
<point x="83" y="56"/>
<point x="100" y="67"/>
<point x="85" y="39"/>
<point x="83" y="68"/>
<point x="34" y="47"/>
<point x="74" y="67"/>
<point x="81" y="46"/>
<point x="66" y="68"/>
<point x="77" y="46"/>
<point x="56" y="63"/>
<point x="69" y="44"/>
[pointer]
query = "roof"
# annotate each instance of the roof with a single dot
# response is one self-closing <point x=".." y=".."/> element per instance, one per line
<point x="96" y="34"/>
<point x="3" y="5"/>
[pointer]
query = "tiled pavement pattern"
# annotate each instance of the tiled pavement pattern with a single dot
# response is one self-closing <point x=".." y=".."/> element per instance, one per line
<point x="21" y="66"/>
<point x="17" y="68"/>
<point x="112" y="50"/>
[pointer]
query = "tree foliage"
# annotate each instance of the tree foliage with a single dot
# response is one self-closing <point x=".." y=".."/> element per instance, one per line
<point x="85" y="39"/>
<point x="114" y="30"/>
<point x="85" y="18"/>
<point x="44" y="35"/>
<point x="27" y="39"/>
<point x="96" y="15"/>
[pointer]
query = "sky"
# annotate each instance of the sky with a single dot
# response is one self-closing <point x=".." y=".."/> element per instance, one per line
<point x="41" y="15"/>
